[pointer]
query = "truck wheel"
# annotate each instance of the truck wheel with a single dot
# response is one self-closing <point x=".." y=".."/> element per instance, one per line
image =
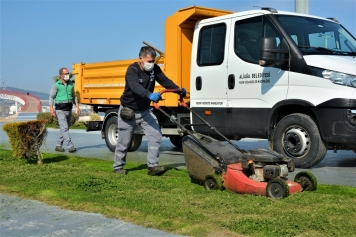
<point x="111" y="136"/>
<point x="277" y="188"/>
<point x="176" y="140"/>
<point x="111" y="133"/>
<point x="298" y="137"/>
<point x="135" y="142"/>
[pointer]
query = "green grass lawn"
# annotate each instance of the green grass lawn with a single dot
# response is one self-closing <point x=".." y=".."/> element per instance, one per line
<point x="76" y="125"/>
<point x="172" y="203"/>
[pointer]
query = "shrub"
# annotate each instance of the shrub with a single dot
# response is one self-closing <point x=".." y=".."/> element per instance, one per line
<point x="53" y="120"/>
<point x="56" y="78"/>
<point x="74" y="118"/>
<point x="26" y="138"/>
<point x="45" y="116"/>
<point x="79" y="125"/>
<point x="94" y="117"/>
<point x="12" y="132"/>
<point x="33" y="134"/>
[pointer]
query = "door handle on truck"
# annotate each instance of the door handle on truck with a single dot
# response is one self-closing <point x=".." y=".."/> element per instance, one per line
<point x="231" y="81"/>
<point x="198" y="83"/>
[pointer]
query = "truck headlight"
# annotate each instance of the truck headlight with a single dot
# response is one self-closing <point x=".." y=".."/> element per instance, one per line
<point x="340" y="78"/>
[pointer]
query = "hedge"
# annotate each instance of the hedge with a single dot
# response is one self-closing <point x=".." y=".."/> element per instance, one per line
<point x="12" y="132"/>
<point x="26" y="138"/>
<point x="53" y="119"/>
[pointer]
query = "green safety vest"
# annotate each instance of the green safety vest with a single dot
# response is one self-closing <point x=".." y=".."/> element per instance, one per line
<point x="64" y="93"/>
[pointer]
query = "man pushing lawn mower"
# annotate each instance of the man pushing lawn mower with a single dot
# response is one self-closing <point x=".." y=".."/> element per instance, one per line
<point x="135" y="110"/>
<point x="215" y="164"/>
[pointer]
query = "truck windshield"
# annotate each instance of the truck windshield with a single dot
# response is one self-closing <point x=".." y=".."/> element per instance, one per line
<point x="318" y="36"/>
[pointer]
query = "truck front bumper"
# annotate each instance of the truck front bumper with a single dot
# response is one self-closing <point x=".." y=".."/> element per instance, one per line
<point x="338" y="127"/>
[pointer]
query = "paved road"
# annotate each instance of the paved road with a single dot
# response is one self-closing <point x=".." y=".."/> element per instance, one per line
<point x="32" y="218"/>
<point x="25" y="218"/>
<point x="33" y="104"/>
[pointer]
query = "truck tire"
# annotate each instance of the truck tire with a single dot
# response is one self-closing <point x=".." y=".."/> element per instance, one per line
<point x="176" y="140"/>
<point x="298" y="137"/>
<point x="111" y="136"/>
<point x="135" y="142"/>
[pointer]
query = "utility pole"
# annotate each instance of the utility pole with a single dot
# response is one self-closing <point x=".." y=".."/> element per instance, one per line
<point x="302" y="6"/>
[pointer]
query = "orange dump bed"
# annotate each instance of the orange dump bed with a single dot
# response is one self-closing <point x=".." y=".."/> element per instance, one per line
<point x="103" y="83"/>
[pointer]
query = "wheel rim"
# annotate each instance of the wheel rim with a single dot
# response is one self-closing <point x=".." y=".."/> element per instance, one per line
<point x="112" y="133"/>
<point x="296" y="142"/>
<point x="277" y="189"/>
<point x="210" y="184"/>
<point x="307" y="180"/>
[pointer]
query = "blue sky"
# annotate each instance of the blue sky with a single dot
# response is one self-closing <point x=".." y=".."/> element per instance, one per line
<point x="39" y="37"/>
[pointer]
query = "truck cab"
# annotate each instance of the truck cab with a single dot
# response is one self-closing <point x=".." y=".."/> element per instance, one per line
<point x="282" y="76"/>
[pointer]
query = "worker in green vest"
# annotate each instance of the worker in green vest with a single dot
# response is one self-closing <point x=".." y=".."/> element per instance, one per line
<point x="62" y="96"/>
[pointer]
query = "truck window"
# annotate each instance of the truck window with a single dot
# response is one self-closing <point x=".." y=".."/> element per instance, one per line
<point x="345" y="44"/>
<point x="211" y="45"/>
<point x="295" y="38"/>
<point x="318" y="36"/>
<point x="323" y="39"/>
<point x="248" y="34"/>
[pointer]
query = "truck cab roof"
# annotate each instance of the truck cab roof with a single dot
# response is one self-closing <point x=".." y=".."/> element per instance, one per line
<point x="265" y="12"/>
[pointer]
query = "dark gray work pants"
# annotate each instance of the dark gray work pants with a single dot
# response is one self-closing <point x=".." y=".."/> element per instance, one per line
<point x="149" y="124"/>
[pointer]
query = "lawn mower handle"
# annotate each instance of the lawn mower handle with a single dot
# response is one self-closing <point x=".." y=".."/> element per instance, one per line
<point x="181" y="102"/>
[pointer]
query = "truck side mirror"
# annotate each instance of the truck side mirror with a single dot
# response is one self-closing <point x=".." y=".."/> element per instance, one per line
<point x="271" y="55"/>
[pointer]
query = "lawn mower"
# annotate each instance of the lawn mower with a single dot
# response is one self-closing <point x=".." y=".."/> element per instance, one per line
<point x="222" y="165"/>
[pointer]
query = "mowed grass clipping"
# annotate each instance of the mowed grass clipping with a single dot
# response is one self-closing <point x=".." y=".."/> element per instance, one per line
<point x="172" y="203"/>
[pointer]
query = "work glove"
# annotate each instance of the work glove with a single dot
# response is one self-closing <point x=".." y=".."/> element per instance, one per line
<point x="183" y="93"/>
<point x="155" y="96"/>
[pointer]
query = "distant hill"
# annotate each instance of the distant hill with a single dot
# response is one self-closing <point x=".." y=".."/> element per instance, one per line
<point x="42" y="96"/>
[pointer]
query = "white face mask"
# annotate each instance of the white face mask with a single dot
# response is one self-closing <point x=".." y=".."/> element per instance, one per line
<point x="148" y="66"/>
<point x="66" y="77"/>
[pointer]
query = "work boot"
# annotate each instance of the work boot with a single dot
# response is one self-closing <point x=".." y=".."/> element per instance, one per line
<point x="155" y="171"/>
<point x="72" y="149"/>
<point x="120" y="171"/>
<point x="59" y="148"/>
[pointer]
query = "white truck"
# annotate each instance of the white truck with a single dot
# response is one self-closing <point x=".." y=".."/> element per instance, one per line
<point x="282" y="76"/>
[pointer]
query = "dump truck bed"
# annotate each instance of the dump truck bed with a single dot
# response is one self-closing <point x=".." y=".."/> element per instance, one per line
<point x="103" y="83"/>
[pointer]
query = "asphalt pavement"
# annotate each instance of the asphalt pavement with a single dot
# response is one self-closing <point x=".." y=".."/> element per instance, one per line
<point x="21" y="217"/>
<point x="24" y="217"/>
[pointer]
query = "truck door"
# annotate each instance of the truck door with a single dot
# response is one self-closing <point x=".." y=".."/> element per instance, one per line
<point x="209" y="72"/>
<point x="252" y="90"/>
